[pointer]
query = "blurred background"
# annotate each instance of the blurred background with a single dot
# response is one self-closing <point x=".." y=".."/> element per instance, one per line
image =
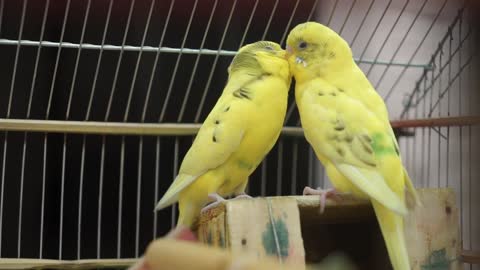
<point x="91" y="196"/>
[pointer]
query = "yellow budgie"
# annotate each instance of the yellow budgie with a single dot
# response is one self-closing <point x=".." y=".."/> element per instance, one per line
<point x="237" y="134"/>
<point x="346" y="122"/>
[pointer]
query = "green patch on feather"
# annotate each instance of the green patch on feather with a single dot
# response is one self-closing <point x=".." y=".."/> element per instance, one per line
<point x="381" y="146"/>
<point x="244" y="165"/>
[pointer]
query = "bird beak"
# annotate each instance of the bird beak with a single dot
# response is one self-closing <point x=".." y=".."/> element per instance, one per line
<point x="289" y="52"/>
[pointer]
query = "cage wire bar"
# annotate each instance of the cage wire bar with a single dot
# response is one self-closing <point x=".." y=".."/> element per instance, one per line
<point x="446" y="97"/>
<point x="104" y="98"/>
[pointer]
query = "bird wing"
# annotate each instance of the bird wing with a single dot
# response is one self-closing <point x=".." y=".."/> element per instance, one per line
<point x="219" y="137"/>
<point x="355" y="141"/>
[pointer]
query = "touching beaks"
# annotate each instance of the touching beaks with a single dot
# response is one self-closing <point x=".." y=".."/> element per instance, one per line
<point x="289" y="50"/>
<point x="300" y="60"/>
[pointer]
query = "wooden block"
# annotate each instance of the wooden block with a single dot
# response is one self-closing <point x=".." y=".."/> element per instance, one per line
<point x="432" y="231"/>
<point x="261" y="226"/>
<point x="349" y="225"/>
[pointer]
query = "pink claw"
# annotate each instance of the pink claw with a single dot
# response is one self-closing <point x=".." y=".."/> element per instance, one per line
<point x="324" y="193"/>
<point x="217" y="199"/>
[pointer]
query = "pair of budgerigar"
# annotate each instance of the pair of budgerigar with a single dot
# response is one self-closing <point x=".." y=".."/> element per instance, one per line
<point x="343" y="117"/>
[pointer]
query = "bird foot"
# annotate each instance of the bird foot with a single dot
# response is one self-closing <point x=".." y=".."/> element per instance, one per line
<point x="324" y="194"/>
<point x="242" y="195"/>
<point x="217" y="199"/>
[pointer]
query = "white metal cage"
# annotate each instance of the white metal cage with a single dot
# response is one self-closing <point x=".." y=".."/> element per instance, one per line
<point x="101" y="100"/>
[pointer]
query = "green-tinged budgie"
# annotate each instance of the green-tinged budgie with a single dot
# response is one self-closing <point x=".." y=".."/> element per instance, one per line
<point x="346" y="122"/>
<point x="237" y="134"/>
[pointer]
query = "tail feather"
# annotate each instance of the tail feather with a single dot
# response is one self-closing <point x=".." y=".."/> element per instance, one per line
<point x="171" y="196"/>
<point x="391" y="225"/>
<point x="411" y="192"/>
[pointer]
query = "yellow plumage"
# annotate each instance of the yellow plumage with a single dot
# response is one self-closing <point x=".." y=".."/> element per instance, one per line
<point x="240" y="130"/>
<point x="346" y="122"/>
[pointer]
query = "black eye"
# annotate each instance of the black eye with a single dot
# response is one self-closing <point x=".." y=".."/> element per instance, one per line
<point x="269" y="48"/>
<point x="302" y="45"/>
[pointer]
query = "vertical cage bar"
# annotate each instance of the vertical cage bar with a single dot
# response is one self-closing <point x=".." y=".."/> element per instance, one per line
<point x="175" y="172"/>
<point x="310" y="167"/>
<point x="155" y="62"/>
<point x="248" y="24"/>
<point x="139" y="190"/>
<point x="120" y="198"/>
<point x="470" y="151"/>
<point x="332" y="12"/>
<point x="293" y="187"/>
<point x="414" y="146"/>
<point x="29" y="106"/>
<point x="314" y="8"/>
<point x="392" y="31"/>
<point x="360" y="27"/>
<point x="270" y="20"/>
<point x="140" y="146"/>
<point x="177" y="63"/>
<point x="67" y="114"/>
<point x="4" y="160"/>
<point x="37" y="59"/>
<point x="57" y="60"/>
<point x="448" y="115"/>
<point x="80" y="198"/>
<point x="22" y="175"/>
<point x="157" y="177"/>
<point x="212" y="69"/>
<point x="119" y="61"/>
<point x="394" y="85"/>
<point x="62" y="189"/>
<point x="15" y="63"/>
<point x="139" y="58"/>
<point x="374" y="30"/>
<point x="99" y="60"/>
<point x="100" y="198"/>
<point x="102" y="151"/>
<point x="287" y="27"/>
<point x="195" y="65"/>
<point x="348" y="17"/>
<point x="424" y="109"/>
<point x="42" y="207"/>
<point x="263" y="182"/>
<point x="77" y="60"/>
<point x="279" y="167"/>
<point x="440" y="70"/>
<point x="429" y="147"/>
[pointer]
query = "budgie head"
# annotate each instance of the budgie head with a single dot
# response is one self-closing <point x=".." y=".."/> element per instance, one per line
<point x="313" y="50"/>
<point x="260" y="58"/>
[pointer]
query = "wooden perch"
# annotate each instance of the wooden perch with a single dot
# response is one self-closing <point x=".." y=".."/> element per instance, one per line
<point x="471" y="256"/>
<point x="112" y="128"/>
<point x="437" y="122"/>
<point x="183" y="129"/>
<point x="13" y="264"/>
<point x="348" y="225"/>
